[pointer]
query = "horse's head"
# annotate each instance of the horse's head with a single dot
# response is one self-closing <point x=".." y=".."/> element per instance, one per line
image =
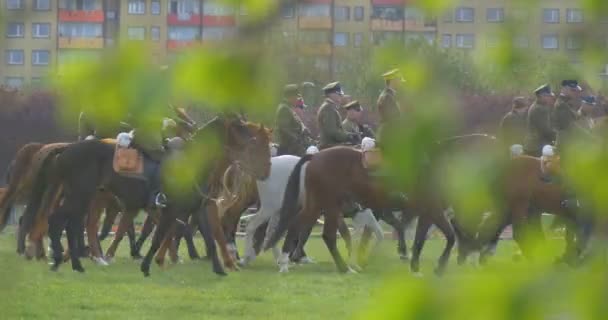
<point x="249" y="146"/>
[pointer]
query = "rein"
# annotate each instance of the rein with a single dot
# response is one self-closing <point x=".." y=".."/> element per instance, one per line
<point x="466" y="136"/>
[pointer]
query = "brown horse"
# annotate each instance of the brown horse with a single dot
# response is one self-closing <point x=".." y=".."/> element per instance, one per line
<point x="334" y="176"/>
<point x="521" y="191"/>
<point x="251" y="153"/>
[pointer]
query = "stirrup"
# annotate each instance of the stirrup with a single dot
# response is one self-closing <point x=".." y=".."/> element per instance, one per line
<point x="160" y="201"/>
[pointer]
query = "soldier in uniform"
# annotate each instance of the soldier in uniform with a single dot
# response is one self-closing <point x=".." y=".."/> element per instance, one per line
<point x="539" y="131"/>
<point x="513" y="124"/>
<point x="330" y="121"/>
<point x="388" y="107"/>
<point x="352" y="123"/>
<point x="565" y="112"/>
<point x="292" y="135"/>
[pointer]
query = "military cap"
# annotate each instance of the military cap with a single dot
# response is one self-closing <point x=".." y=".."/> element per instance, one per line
<point x="307" y="84"/>
<point x="589" y="100"/>
<point x="291" y="90"/>
<point x="353" y="104"/>
<point x="392" y="74"/>
<point x="573" y="84"/>
<point x="333" y="87"/>
<point x="544" y="89"/>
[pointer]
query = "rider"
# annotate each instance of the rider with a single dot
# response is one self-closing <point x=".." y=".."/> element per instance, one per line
<point x="292" y="135"/>
<point x="329" y="120"/>
<point x="539" y="132"/>
<point x="513" y="124"/>
<point x="352" y="123"/>
<point x="388" y="107"/>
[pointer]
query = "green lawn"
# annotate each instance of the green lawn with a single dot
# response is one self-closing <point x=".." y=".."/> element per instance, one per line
<point x="29" y="290"/>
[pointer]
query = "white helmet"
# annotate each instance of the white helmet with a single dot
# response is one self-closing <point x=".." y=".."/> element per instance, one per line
<point x="124" y="140"/>
<point x="548" y="151"/>
<point x="517" y="150"/>
<point x="368" y="144"/>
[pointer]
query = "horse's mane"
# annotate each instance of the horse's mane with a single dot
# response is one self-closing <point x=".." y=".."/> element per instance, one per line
<point x="256" y="127"/>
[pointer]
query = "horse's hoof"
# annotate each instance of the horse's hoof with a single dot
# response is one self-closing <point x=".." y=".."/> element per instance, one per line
<point x="100" y="261"/>
<point x="195" y="258"/>
<point x="221" y="273"/>
<point x="351" y="270"/>
<point x="355" y="267"/>
<point x="54" y="267"/>
<point x="284" y="269"/>
<point x="242" y="263"/>
<point x="417" y="274"/>
<point x="404" y="257"/>
<point x="79" y="269"/>
<point x="136" y="256"/>
<point x="306" y="260"/>
<point x="439" y="271"/>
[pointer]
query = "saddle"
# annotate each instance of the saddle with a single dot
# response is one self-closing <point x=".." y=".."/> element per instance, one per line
<point x="372" y="158"/>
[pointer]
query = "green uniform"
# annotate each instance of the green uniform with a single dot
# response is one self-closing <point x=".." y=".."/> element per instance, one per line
<point x="388" y="109"/>
<point x="564" y="119"/>
<point x="330" y="125"/>
<point x="290" y="132"/>
<point x="513" y="128"/>
<point x="356" y="129"/>
<point x="539" y="132"/>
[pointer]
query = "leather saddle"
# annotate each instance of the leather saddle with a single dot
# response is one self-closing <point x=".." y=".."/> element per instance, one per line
<point x="128" y="161"/>
<point x="372" y="158"/>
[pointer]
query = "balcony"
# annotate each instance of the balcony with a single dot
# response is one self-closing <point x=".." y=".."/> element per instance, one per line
<point x="176" y="45"/>
<point x="323" y="49"/>
<point x="219" y="21"/>
<point x="386" y="25"/>
<point x="80" y="43"/>
<point x="179" y="19"/>
<point x="81" y="16"/>
<point x="387" y="2"/>
<point x="314" y="22"/>
<point x="420" y="25"/>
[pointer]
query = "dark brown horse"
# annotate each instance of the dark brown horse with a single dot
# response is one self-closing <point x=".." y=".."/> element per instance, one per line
<point x="250" y="151"/>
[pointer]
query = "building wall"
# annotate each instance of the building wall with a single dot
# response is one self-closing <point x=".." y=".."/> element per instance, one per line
<point x="147" y="20"/>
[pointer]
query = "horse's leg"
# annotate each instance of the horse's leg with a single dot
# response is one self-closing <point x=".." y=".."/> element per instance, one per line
<point x="298" y="254"/>
<point x="445" y="227"/>
<point x="259" y="236"/>
<point x="57" y="222"/>
<point x="399" y="227"/>
<point x="132" y="239"/>
<point x="92" y="227"/>
<point x="166" y="221"/>
<point x="218" y="234"/>
<point x="189" y="237"/>
<point x="165" y="245"/>
<point x="332" y="218"/>
<point x="206" y="232"/>
<point x="126" y="220"/>
<point x="253" y="225"/>
<point x="74" y="230"/>
<point x="39" y="229"/>
<point x="146" y="230"/>
<point x="345" y="234"/>
<point x="424" y="223"/>
<point x="108" y="222"/>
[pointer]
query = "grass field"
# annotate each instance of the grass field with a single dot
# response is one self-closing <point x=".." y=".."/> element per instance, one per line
<point x="28" y="290"/>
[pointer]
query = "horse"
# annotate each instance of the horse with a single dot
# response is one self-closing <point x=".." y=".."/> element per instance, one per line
<point x="521" y="190"/>
<point x="200" y="195"/>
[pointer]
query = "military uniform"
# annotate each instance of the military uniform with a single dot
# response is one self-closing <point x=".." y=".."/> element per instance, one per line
<point x="564" y="119"/>
<point x="352" y="127"/>
<point x="388" y="107"/>
<point x="330" y="121"/>
<point x="290" y="132"/>
<point x="539" y="131"/>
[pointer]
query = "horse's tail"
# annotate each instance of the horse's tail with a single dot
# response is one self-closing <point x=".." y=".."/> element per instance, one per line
<point x="290" y="204"/>
<point x="5" y="205"/>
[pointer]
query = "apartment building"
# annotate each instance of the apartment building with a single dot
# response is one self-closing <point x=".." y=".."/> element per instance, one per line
<point x="550" y="27"/>
<point x="43" y="35"/>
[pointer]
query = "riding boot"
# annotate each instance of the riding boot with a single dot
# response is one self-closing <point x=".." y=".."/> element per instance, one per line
<point x="157" y="199"/>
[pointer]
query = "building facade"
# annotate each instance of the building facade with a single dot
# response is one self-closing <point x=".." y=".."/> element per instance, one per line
<point x="43" y="35"/>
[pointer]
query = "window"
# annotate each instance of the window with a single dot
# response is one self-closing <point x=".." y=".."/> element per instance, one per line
<point x="136" y="33"/>
<point x="40" y="57"/>
<point x="446" y="41"/>
<point x="465" y="14"/>
<point x="14" y="82"/>
<point x="14" y="4"/>
<point x="495" y="14"/>
<point x="111" y="15"/>
<point x="155" y="33"/>
<point x="551" y="15"/>
<point x="379" y="38"/>
<point x="36" y="81"/>
<point x="342" y="13"/>
<point x="574" y="15"/>
<point x="42" y="5"/>
<point x="413" y="14"/>
<point x="340" y="39"/>
<point x="15" y="30"/>
<point x="287" y="11"/>
<point x="550" y="42"/>
<point x="80" y="30"/>
<point x="155" y="7"/>
<point x="41" y="30"/>
<point x="183" y="33"/>
<point x="359" y="13"/>
<point x="216" y="8"/>
<point x="387" y="13"/>
<point x="137" y="7"/>
<point x="314" y="10"/>
<point x="79" y="5"/>
<point x="465" y="41"/>
<point x="521" y="42"/>
<point x="218" y="33"/>
<point x="357" y="39"/>
<point x="184" y="8"/>
<point x="574" y="43"/>
<point x="14" y="57"/>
